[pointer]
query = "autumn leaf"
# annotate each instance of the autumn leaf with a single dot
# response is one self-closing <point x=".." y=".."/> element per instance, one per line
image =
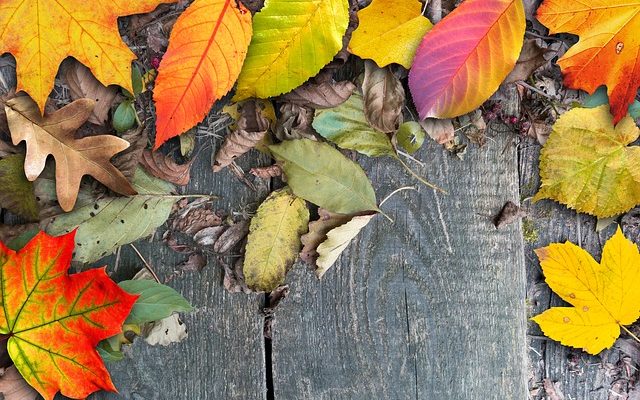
<point x="292" y="40"/>
<point x="274" y="240"/>
<point x="54" y="135"/>
<point x="607" y="52"/>
<point x="83" y="85"/>
<point x="322" y="175"/>
<point x="52" y="321"/>
<point x="320" y="95"/>
<point x="464" y="58"/>
<point x="588" y="165"/>
<point x="410" y="136"/>
<point x="389" y="32"/>
<point x="42" y="33"/>
<point x="166" y="168"/>
<point x="16" y="194"/>
<point x="603" y="296"/>
<point x="103" y="224"/>
<point x="318" y="233"/>
<point x="383" y="97"/>
<point x="207" y="48"/>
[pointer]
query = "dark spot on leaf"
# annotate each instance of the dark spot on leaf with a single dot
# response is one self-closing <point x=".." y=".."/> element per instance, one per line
<point x="92" y="214"/>
<point x="145" y="206"/>
<point x="96" y="206"/>
<point x="122" y="221"/>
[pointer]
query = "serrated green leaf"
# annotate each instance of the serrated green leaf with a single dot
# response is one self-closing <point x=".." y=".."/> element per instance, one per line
<point x="322" y="175"/>
<point x="411" y="136"/>
<point x="274" y="240"/>
<point x="124" y="118"/>
<point x="110" y="222"/>
<point x="156" y="301"/>
<point x="16" y="192"/>
<point x="292" y="40"/>
<point x="347" y="126"/>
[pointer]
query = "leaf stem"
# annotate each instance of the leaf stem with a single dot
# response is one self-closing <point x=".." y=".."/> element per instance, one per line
<point x="419" y="178"/>
<point x="146" y="264"/>
<point x="630" y="333"/>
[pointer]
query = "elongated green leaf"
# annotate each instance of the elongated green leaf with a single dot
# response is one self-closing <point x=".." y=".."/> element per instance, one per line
<point x="274" y="240"/>
<point x="156" y="301"/>
<point x="322" y="175"/>
<point x="110" y="222"/>
<point x="292" y="40"/>
<point x="16" y="192"/>
<point x="347" y="126"/>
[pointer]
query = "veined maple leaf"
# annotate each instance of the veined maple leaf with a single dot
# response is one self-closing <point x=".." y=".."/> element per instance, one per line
<point x="52" y="321"/>
<point x="604" y="296"/>
<point x="55" y="135"/>
<point x="608" y="52"/>
<point x="42" y="33"/>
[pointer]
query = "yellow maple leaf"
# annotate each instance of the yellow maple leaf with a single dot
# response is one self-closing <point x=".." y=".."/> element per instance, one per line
<point x="42" y="33"/>
<point x="605" y="296"/>
<point x="588" y="165"/>
<point x="390" y="32"/>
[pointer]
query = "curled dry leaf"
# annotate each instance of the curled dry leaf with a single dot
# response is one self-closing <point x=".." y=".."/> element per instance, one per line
<point x="440" y="130"/>
<point x="164" y="167"/>
<point x="54" y="135"/>
<point x="252" y="127"/>
<point x="14" y="387"/>
<point x="127" y="161"/>
<point x="531" y="58"/>
<point x="229" y="238"/>
<point x="196" y="216"/>
<point x="82" y="84"/>
<point x="294" y="122"/>
<point x="383" y="97"/>
<point x="274" y="240"/>
<point x="320" y="95"/>
<point x="318" y="233"/>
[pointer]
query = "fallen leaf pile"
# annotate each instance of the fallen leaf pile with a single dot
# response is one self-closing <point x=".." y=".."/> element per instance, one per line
<point x="99" y="151"/>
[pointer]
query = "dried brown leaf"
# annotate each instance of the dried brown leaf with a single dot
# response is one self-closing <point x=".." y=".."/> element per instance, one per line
<point x="54" y="134"/>
<point x="509" y="213"/>
<point x="272" y="171"/>
<point x="252" y="127"/>
<point x="14" y="387"/>
<point x="318" y="233"/>
<point x="531" y="58"/>
<point x="128" y="160"/>
<point x="320" y="95"/>
<point x="164" y="167"/>
<point x="82" y="84"/>
<point x="196" y="216"/>
<point x="440" y="130"/>
<point x="384" y="97"/>
<point x="294" y="122"/>
<point x="234" y="234"/>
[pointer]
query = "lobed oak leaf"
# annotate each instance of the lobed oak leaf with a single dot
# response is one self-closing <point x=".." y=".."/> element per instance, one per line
<point x="464" y="58"/>
<point x="207" y="48"/>
<point x="52" y="321"/>
<point x="608" y="52"/>
<point x="587" y="163"/>
<point x="54" y="135"/>
<point x="604" y="295"/>
<point x="389" y="32"/>
<point x="42" y="33"/>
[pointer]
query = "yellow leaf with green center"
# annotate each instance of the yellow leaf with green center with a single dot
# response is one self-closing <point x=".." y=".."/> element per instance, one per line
<point x="274" y="240"/>
<point x="292" y="40"/>
<point x="588" y="165"/>
<point x="604" y="295"/>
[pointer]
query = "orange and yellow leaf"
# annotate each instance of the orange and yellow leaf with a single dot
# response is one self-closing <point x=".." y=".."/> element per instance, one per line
<point x="608" y="52"/>
<point x="42" y="33"/>
<point x="604" y="296"/>
<point x="52" y="321"/>
<point x="207" y="47"/>
<point x="464" y="58"/>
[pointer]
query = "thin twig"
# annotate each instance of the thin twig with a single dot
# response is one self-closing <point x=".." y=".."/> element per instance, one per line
<point x="396" y="191"/>
<point x="146" y="264"/>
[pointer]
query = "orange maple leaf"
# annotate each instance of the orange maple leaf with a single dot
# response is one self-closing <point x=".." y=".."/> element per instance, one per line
<point x="608" y="52"/>
<point x="42" y="33"/>
<point x="207" y="47"/>
<point x="52" y="321"/>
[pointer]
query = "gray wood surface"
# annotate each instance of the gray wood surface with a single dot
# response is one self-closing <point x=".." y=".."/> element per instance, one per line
<point x="428" y="307"/>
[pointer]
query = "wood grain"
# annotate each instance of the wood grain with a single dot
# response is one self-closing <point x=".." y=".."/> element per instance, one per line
<point x="428" y="307"/>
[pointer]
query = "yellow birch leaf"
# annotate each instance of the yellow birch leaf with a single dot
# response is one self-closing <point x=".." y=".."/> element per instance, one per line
<point x="588" y="165"/>
<point x="274" y="239"/>
<point x="604" y="296"/>
<point x="390" y="31"/>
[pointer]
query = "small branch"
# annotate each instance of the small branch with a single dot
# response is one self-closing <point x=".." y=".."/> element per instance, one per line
<point x="146" y="264"/>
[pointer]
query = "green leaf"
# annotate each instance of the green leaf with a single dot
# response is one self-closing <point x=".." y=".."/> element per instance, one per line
<point x="347" y="126"/>
<point x="411" y="136"/>
<point x="107" y="223"/>
<point x="107" y="353"/>
<point x="16" y="192"/>
<point x="22" y="239"/>
<point x="124" y="118"/>
<point x="156" y="301"/>
<point x="322" y="175"/>
<point x="274" y="240"/>
<point x="136" y="80"/>
<point x="292" y="40"/>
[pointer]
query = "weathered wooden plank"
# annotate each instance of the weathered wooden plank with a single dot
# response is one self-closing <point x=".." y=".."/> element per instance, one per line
<point x="577" y="374"/>
<point x="428" y="307"/>
<point x="223" y="357"/>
